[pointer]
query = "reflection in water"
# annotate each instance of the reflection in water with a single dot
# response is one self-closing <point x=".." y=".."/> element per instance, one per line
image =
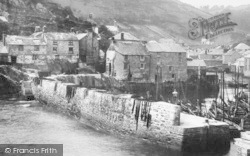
<point x="30" y="123"/>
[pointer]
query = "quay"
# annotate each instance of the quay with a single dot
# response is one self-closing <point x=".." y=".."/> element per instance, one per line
<point x="158" y="122"/>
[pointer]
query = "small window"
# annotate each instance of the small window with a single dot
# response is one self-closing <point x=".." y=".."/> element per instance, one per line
<point x="54" y="49"/>
<point x="142" y="58"/>
<point x="20" y="48"/>
<point x="71" y="50"/>
<point x="173" y="75"/>
<point x="180" y="59"/>
<point x="170" y="68"/>
<point x="142" y="66"/>
<point x="125" y="66"/>
<point x="126" y="57"/>
<point x="34" y="57"/>
<point x="36" y="48"/>
<point x="55" y="43"/>
<point x="71" y="43"/>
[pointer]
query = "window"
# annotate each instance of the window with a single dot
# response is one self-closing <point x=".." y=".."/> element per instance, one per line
<point x="173" y="75"/>
<point x="20" y="48"/>
<point x="34" y="57"/>
<point x="170" y="68"/>
<point x="71" y="50"/>
<point x="142" y="66"/>
<point x="36" y="48"/>
<point x="71" y="43"/>
<point x="125" y="65"/>
<point x="179" y="56"/>
<point x="142" y="58"/>
<point x="126" y="57"/>
<point x="55" y="43"/>
<point x="55" y="49"/>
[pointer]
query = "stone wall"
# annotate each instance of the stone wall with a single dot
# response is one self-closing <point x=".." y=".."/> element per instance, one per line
<point x="161" y="123"/>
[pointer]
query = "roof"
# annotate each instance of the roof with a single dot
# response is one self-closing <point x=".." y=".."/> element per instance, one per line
<point x="163" y="46"/>
<point x="205" y="57"/>
<point x="2" y="18"/>
<point x="230" y="52"/>
<point x="242" y="46"/>
<point x="81" y="36"/>
<point x="196" y="63"/>
<point x="112" y="28"/>
<point x="127" y="36"/>
<point x="24" y="40"/>
<point x="3" y="49"/>
<point x="61" y="36"/>
<point x="216" y="52"/>
<point x="130" y="48"/>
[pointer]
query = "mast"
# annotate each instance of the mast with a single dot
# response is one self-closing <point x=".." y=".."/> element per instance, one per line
<point x="223" y="94"/>
<point x="198" y="89"/>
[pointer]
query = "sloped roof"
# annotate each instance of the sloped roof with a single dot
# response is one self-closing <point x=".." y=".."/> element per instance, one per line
<point x="242" y="46"/>
<point x="60" y="36"/>
<point x="130" y="48"/>
<point x="2" y="18"/>
<point x="216" y="52"/>
<point x="112" y="28"/>
<point x="154" y="46"/>
<point x="24" y="40"/>
<point x="127" y="36"/>
<point x="196" y="63"/>
<point x="230" y="52"/>
<point x="81" y="35"/>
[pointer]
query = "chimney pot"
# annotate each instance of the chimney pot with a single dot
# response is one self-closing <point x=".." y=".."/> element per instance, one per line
<point x="122" y="36"/>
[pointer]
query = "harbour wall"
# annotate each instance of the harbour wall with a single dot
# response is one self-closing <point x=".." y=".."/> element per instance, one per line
<point x="160" y="122"/>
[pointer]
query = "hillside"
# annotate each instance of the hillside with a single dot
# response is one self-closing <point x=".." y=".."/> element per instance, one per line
<point x="24" y="15"/>
<point x="146" y="19"/>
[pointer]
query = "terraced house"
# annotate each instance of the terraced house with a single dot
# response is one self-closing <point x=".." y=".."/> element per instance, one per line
<point x="26" y="50"/>
<point x="60" y="45"/>
<point x="127" y="59"/>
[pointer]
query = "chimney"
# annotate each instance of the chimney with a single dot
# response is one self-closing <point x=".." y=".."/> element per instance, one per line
<point x="3" y="39"/>
<point x="122" y="36"/>
<point x="72" y="30"/>
<point x="44" y="29"/>
<point x="37" y="29"/>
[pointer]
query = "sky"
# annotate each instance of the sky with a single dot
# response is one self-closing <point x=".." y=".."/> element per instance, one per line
<point x="198" y="3"/>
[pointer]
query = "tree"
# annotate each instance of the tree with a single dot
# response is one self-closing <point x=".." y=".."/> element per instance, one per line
<point x="105" y="35"/>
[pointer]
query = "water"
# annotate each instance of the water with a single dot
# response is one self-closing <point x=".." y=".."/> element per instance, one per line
<point x="31" y="123"/>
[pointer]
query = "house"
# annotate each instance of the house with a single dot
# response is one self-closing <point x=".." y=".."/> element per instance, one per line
<point x="127" y="60"/>
<point x="247" y="66"/>
<point x="195" y="67"/>
<point x="89" y="47"/>
<point x="216" y="53"/>
<point x="238" y="65"/>
<point x="230" y="57"/>
<point x="26" y="50"/>
<point x="170" y="57"/>
<point x="242" y="47"/>
<point x="60" y="45"/>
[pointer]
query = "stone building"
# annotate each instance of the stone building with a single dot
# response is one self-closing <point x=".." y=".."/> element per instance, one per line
<point x="89" y="47"/>
<point x="128" y="60"/>
<point x="168" y="59"/>
<point x="26" y="50"/>
<point x="60" y="45"/>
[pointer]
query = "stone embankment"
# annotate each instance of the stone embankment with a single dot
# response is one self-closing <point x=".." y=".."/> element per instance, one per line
<point x="157" y="121"/>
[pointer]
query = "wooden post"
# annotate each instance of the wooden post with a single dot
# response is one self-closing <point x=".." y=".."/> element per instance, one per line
<point x="223" y="91"/>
